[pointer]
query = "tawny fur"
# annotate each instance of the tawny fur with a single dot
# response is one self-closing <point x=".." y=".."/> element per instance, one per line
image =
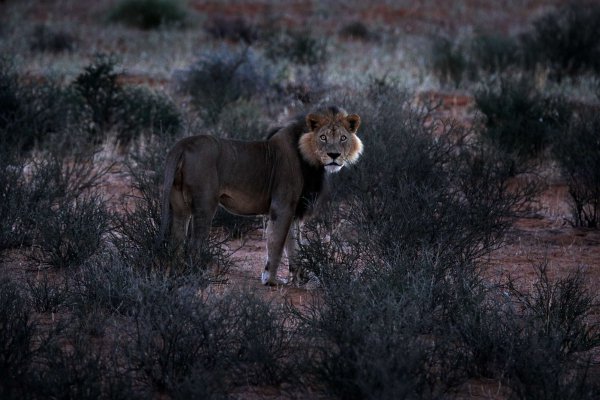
<point x="282" y="177"/>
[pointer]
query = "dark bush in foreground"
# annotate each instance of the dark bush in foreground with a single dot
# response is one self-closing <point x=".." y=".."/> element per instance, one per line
<point x="47" y="294"/>
<point x="578" y="153"/>
<point x="17" y="332"/>
<point x="39" y="361"/>
<point x="82" y="370"/>
<point x="566" y="40"/>
<point x="149" y="14"/>
<point x="551" y="358"/>
<point x="13" y="199"/>
<point x="183" y="344"/>
<point x="392" y="338"/>
<point x="519" y="120"/>
<point x="538" y="342"/>
<point x="419" y="327"/>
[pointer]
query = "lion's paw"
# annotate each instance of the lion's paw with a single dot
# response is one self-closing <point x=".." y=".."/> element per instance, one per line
<point x="267" y="279"/>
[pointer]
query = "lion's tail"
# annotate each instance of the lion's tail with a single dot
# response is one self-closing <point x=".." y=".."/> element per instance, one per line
<point x="171" y="164"/>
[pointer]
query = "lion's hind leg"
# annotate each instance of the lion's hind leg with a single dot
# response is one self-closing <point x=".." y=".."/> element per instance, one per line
<point x="204" y="207"/>
<point x="182" y="212"/>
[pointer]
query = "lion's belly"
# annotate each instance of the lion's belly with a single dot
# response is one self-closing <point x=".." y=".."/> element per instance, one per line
<point x="242" y="204"/>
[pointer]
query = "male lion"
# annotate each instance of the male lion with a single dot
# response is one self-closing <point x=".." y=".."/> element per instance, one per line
<point x="282" y="176"/>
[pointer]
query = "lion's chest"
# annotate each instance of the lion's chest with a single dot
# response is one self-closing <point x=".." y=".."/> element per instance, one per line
<point x="312" y="189"/>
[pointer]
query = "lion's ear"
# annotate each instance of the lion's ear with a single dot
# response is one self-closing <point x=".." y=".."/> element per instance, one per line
<point x="314" y="122"/>
<point x="353" y="122"/>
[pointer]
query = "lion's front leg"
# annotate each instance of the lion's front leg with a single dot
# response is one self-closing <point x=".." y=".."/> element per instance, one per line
<point x="291" y="249"/>
<point x="277" y="233"/>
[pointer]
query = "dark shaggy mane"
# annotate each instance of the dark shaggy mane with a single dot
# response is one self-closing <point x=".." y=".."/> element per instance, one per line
<point x="297" y="125"/>
<point x="315" y="184"/>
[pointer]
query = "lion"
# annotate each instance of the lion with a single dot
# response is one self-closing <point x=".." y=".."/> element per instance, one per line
<point x="282" y="177"/>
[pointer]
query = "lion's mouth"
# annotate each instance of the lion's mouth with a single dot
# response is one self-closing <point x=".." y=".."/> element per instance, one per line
<point x="333" y="167"/>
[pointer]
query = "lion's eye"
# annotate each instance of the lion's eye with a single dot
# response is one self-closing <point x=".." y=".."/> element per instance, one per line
<point x="343" y="138"/>
<point x="323" y="138"/>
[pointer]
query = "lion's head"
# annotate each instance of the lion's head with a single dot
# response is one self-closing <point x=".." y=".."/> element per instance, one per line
<point x="331" y="141"/>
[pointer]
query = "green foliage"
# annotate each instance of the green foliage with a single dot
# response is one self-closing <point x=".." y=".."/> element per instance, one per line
<point x="149" y="14"/>
<point x="578" y="152"/>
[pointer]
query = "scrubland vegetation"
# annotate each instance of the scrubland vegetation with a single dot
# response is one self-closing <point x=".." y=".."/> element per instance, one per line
<point x="91" y="307"/>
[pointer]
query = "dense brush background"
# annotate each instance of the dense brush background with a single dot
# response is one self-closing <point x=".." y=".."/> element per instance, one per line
<point x="472" y="113"/>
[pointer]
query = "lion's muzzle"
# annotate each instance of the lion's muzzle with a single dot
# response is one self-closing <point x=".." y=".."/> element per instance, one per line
<point x="333" y="167"/>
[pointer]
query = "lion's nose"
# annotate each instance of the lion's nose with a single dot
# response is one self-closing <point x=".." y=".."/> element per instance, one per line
<point x="333" y="155"/>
